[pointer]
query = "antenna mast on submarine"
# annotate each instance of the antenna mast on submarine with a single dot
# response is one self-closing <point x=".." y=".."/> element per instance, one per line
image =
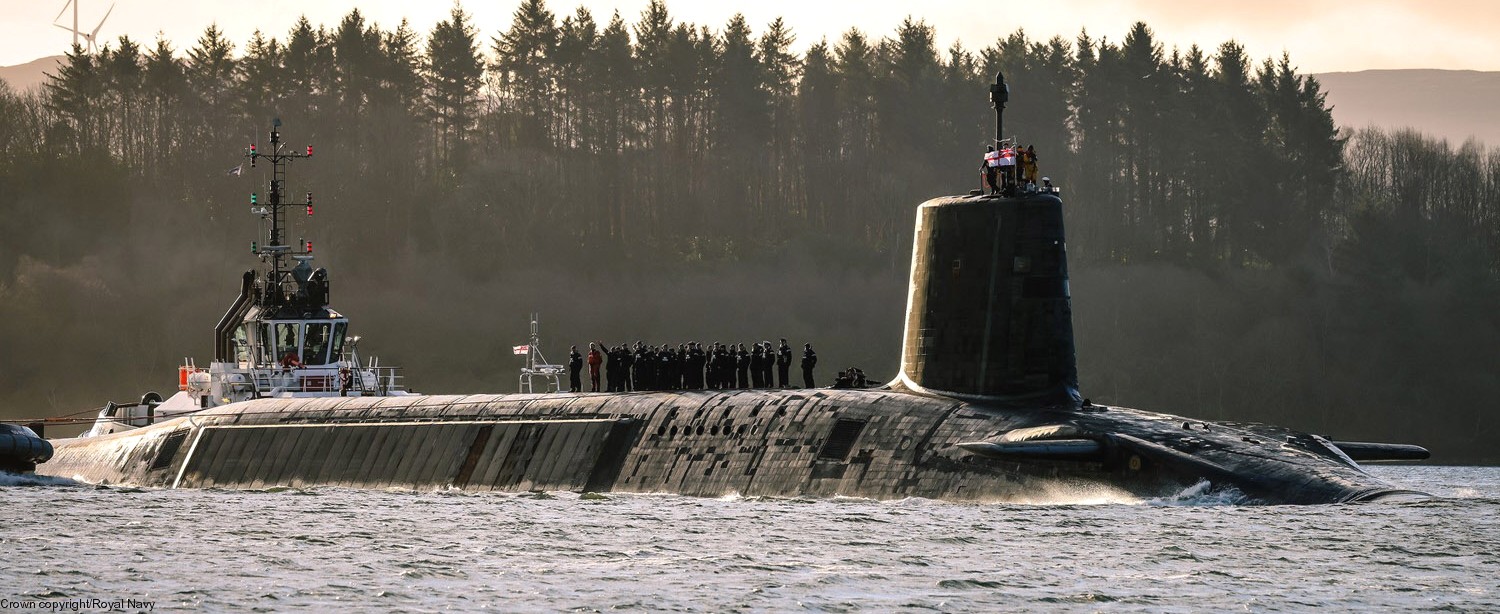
<point x="999" y="95"/>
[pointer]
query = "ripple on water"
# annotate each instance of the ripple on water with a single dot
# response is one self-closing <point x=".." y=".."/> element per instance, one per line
<point x="452" y="550"/>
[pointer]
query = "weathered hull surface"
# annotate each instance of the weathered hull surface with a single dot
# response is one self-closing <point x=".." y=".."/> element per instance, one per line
<point x="866" y="443"/>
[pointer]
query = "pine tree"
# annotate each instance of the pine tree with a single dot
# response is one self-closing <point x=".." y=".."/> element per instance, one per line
<point x="453" y="77"/>
<point x="526" y="76"/>
<point x="818" y="112"/>
<point x="260" y="72"/>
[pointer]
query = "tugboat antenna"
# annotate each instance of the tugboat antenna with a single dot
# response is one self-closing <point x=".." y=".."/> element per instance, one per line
<point x="274" y="249"/>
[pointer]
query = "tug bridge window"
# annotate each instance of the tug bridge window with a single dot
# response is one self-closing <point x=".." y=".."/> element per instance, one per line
<point x="241" y="345"/>
<point x="315" y="346"/>
<point x="338" y="340"/>
<point x="286" y="339"/>
<point x="264" y="341"/>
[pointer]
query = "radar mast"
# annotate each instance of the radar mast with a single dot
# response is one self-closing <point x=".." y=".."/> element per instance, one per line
<point x="281" y="286"/>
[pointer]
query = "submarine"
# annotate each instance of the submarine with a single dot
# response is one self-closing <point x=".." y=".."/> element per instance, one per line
<point x="986" y="406"/>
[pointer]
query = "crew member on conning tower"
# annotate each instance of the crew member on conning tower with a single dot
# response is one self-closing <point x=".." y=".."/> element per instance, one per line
<point x="990" y="166"/>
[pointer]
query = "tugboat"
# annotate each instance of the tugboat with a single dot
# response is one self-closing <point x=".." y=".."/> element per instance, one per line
<point x="279" y="339"/>
<point x="986" y="406"/>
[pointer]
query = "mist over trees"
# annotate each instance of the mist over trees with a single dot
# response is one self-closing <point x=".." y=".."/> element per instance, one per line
<point x="1235" y="255"/>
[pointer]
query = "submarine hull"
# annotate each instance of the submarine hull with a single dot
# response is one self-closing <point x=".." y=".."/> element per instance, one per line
<point x="882" y="444"/>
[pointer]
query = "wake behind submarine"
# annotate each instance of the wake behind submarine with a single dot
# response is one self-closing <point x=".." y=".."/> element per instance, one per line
<point x="986" y="406"/>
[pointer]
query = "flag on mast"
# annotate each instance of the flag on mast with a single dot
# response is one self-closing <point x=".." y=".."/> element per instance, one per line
<point x="521" y="350"/>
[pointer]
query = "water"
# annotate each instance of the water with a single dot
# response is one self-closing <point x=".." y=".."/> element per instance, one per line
<point x="285" y="549"/>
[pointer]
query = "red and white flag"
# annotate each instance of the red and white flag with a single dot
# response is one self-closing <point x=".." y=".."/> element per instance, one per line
<point x="521" y="350"/>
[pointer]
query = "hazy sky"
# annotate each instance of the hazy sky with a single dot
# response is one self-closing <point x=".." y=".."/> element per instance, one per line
<point x="1321" y="35"/>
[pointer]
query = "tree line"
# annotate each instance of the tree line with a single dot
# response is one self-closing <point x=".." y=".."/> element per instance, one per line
<point x="666" y="139"/>
<point x="576" y="141"/>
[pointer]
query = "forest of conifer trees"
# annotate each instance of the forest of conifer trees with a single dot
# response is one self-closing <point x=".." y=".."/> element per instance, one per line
<point x="1317" y="272"/>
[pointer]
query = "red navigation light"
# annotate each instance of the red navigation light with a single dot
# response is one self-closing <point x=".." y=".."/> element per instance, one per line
<point x="252" y="149"/>
<point x="309" y="151"/>
<point x="309" y="247"/>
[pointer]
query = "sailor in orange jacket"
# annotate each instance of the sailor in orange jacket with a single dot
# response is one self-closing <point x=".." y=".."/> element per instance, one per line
<point x="595" y="359"/>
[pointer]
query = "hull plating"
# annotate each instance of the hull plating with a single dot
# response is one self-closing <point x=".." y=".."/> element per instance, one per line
<point x="864" y="443"/>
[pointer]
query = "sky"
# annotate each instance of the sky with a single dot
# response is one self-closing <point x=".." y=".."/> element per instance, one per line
<point x="1320" y="35"/>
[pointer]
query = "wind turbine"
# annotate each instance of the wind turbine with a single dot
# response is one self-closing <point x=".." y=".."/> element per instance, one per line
<point x="91" y="36"/>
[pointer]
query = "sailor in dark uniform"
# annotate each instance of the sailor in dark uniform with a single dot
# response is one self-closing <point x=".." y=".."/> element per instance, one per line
<point x="809" y="360"/>
<point x="742" y="365"/>
<point x="575" y="368"/>
<point x="757" y="367"/>
<point x="784" y="364"/>
<point x="638" y="375"/>
<point x="768" y="365"/>
<point x="716" y="366"/>
<point x="611" y="362"/>
<point x="666" y="368"/>
<point x="695" y="366"/>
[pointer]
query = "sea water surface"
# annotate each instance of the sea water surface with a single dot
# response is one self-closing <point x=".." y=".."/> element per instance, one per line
<point x="288" y="549"/>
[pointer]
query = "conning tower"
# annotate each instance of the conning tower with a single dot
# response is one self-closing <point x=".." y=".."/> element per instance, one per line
<point x="988" y="314"/>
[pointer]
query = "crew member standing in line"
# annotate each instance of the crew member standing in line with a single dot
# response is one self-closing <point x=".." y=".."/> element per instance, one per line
<point x="768" y="365"/>
<point x="742" y="366"/>
<point x="611" y="368"/>
<point x="722" y="364"/>
<point x="711" y="367"/>
<point x="638" y="373"/>
<point x="809" y="360"/>
<point x="575" y="366"/>
<point x="346" y="381"/>
<point x="595" y="359"/>
<point x="757" y="366"/>
<point x="784" y="364"/>
<point x="695" y="366"/>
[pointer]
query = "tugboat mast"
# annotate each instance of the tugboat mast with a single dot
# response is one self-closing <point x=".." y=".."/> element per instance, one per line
<point x="274" y="249"/>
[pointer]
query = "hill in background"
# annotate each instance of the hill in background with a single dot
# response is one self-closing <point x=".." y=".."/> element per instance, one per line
<point x="22" y="77"/>
<point x="1448" y="104"/>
